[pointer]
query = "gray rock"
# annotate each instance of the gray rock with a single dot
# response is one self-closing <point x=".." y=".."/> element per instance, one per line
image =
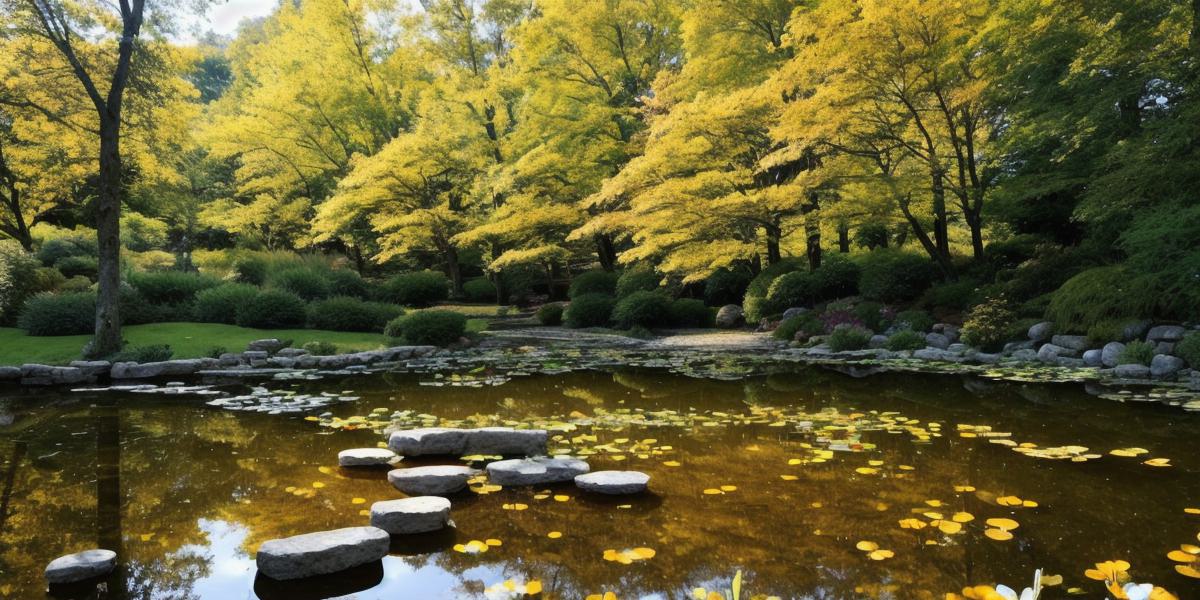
<point x="1073" y="342"/>
<point x="1025" y="355"/>
<point x="877" y="341"/>
<point x="506" y="441"/>
<point x="1165" y="333"/>
<point x="1165" y="366"/>
<point x="268" y="345"/>
<point x="35" y="374"/>
<point x="411" y="515"/>
<point x="1093" y="358"/>
<point x="1050" y="353"/>
<point x="1041" y="332"/>
<point x="937" y="340"/>
<point x="1073" y="363"/>
<point x="1132" y="371"/>
<point x="80" y="566"/>
<point x="535" y="471"/>
<point x="322" y="553"/>
<point x="10" y="373"/>
<point x="1134" y="330"/>
<point x="253" y="355"/>
<point x="937" y="354"/>
<point x="1110" y="355"/>
<point x="93" y="368"/>
<point x="958" y="348"/>
<point x="613" y="482"/>
<point x="431" y="481"/>
<point x="985" y="358"/>
<point x="1011" y="347"/>
<point x="950" y="331"/>
<point x="795" y="311"/>
<point x="1194" y="380"/>
<point x="1164" y="348"/>
<point x="291" y="352"/>
<point x="730" y="316"/>
<point x="187" y="366"/>
<point x="229" y="359"/>
<point x="429" y="441"/>
<point x="367" y="457"/>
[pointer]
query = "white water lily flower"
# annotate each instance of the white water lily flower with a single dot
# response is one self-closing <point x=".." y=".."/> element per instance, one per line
<point x="1029" y="593"/>
<point x="1138" y="591"/>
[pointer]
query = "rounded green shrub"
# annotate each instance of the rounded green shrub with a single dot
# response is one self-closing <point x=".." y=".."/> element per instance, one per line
<point x="418" y="288"/>
<point x="589" y="310"/>
<point x="593" y="282"/>
<point x="78" y="266"/>
<point x="905" y="339"/>
<point x="273" y="309"/>
<point x="837" y="277"/>
<point x="220" y="304"/>
<point x="479" y="289"/>
<point x="1189" y="349"/>
<point x="171" y="287"/>
<point x="796" y="289"/>
<point x="343" y="313"/>
<point x="873" y="315"/>
<point x="143" y="354"/>
<point x="955" y="296"/>
<point x="987" y="325"/>
<point x="916" y="320"/>
<point x="894" y="277"/>
<point x="59" y="314"/>
<point x="251" y="269"/>
<point x="1136" y="353"/>
<point x="74" y="284"/>
<point x="644" y="309"/>
<point x="344" y="282"/>
<point x="428" y="327"/>
<point x="806" y="325"/>
<point x="639" y="279"/>
<point x="320" y="348"/>
<point x="309" y="284"/>
<point x="726" y="286"/>
<point x="56" y="249"/>
<point x="19" y="279"/>
<point x="689" y="312"/>
<point x="550" y="314"/>
<point x="1098" y="295"/>
<point x="849" y="337"/>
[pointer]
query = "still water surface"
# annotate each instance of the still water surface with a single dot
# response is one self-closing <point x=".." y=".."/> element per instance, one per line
<point x="812" y="463"/>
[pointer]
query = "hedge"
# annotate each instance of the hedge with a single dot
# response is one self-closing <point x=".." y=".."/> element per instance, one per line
<point x="273" y="309"/>
<point x="428" y="327"/>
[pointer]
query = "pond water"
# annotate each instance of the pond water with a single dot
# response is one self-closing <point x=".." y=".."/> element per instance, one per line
<point x="779" y="477"/>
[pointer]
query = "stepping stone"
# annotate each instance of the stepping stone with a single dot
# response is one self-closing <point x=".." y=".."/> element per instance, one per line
<point x="81" y="566"/>
<point x="411" y="515"/>
<point x="367" y="457"/>
<point x="431" y="481"/>
<point x="429" y="441"/>
<point x="535" y="471"/>
<point x="613" y="482"/>
<point x="322" y="552"/>
<point x="439" y="441"/>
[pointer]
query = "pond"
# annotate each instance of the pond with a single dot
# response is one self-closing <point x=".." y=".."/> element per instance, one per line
<point x="809" y="483"/>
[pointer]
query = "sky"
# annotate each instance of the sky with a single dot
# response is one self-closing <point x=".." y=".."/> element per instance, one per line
<point x="223" y="17"/>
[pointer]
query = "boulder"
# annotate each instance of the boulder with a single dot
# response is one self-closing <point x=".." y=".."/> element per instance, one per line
<point x="730" y="316"/>
<point x="229" y="359"/>
<point x="281" y="362"/>
<point x="1165" y="333"/>
<point x="1165" y="366"/>
<point x="268" y="345"/>
<point x="985" y="358"/>
<point x="367" y="457"/>
<point x="1072" y="363"/>
<point x="1132" y="371"/>
<point x="1025" y="355"/>
<point x="411" y="515"/>
<point x="94" y="368"/>
<point x="1011" y="347"/>
<point x="1134" y="330"/>
<point x="10" y="373"/>
<point x="535" y="471"/>
<point x="1110" y="355"/>
<point x="431" y="481"/>
<point x="322" y="553"/>
<point x="1041" y="332"/>
<point x="877" y="341"/>
<point x="950" y="331"/>
<point x="937" y="354"/>
<point x="613" y="482"/>
<point x="1050" y="353"/>
<point x="1073" y="342"/>
<point x="957" y="348"/>
<point x="291" y="352"/>
<point x="1164" y="348"/>
<point x="1093" y="358"/>
<point x="187" y="366"/>
<point x="795" y="311"/>
<point x="80" y="566"/>
<point x="35" y="374"/>
<point x="937" y="340"/>
<point x="506" y="441"/>
<point x="428" y="441"/>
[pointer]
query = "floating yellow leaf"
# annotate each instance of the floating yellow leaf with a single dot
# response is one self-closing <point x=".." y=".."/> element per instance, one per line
<point x="949" y="527"/>
<point x="788" y="477"/>
<point x="881" y="554"/>
<point x="964" y="488"/>
<point x="533" y="588"/>
<point x="1109" y="570"/>
<point x="561" y="498"/>
<point x="866" y="471"/>
<point x="1129" y="452"/>
<point x="1181" y="556"/>
<point x="866" y="546"/>
<point x="364" y="513"/>
<point x="912" y="524"/>
<point x="1052" y="580"/>
<point x="1190" y="549"/>
<point x="729" y="488"/>
<point x="934" y="503"/>
<point x="933" y="516"/>
<point x="318" y="484"/>
<point x="1158" y="462"/>
<point x="963" y="517"/>
<point x="541" y="496"/>
<point x="326" y="470"/>
<point x="147" y="537"/>
<point x="1188" y="571"/>
<point x="516" y="506"/>
<point x="471" y="547"/>
<point x="1192" y="511"/>
<point x="554" y="535"/>
<point x="493" y="542"/>
<point x="1008" y="501"/>
<point x="672" y="463"/>
<point x="999" y="535"/>
<point x="1002" y="523"/>
<point x="875" y="463"/>
<point x="713" y="491"/>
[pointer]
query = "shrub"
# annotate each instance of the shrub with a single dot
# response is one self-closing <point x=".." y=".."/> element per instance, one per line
<point x="905" y="339"/>
<point x="837" y="277"/>
<point x="82" y="266"/>
<point x="1189" y="349"/>
<point x="480" y="289"/>
<point x="272" y="309"/>
<point x="320" y="348"/>
<point x="688" y="312"/>
<point x="56" y="249"/>
<point x="872" y="235"/>
<point x="74" y="284"/>
<point x="343" y="313"/>
<point x="1104" y="332"/>
<point x="916" y="320"/>
<point x="550" y="314"/>
<point x="1046" y="271"/>
<point x="18" y="279"/>
<point x="986" y="327"/>
<point x="215" y="351"/>
<point x="251" y="270"/>
<point x="144" y="354"/>
<point x="798" y="288"/>
<point x="954" y="296"/>
<point x="645" y="309"/>
<point x="895" y="277"/>
<point x="419" y="288"/>
<point x="1018" y="330"/>
<point x="849" y="338"/>
<point x="429" y="327"/>
<point x="220" y="304"/>
<point x="756" y="303"/>
<point x="1136" y="353"/>
<point x="170" y="287"/>
<point x="589" y="310"/>
<point x="874" y="316"/>
<point x="835" y="317"/>
<point x="1010" y="253"/>
<point x="1098" y="295"/>
<point x="807" y="325"/>
<point x="344" y="282"/>
<point x="309" y="284"/>
<point x="59" y="314"/>
<point x="593" y="282"/>
<point x="639" y="279"/>
<point x="640" y="333"/>
<point x="1165" y="258"/>
<point x="726" y="286"/>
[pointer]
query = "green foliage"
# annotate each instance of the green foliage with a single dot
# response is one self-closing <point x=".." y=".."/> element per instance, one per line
<point x="19" y="279"/>
<point x="251" y="270"/>
<point x="309" y="284"/>
<point x="795" y="289"/>
<point x="894" y="276"/>
<point x="1047" y="271"/>
<point x="987" y="325"/>
<point x="143" y="354"/>
<point x="58" y="314"/>
<point x="850" y="337"/>
<point x="1105" y="331"/>
<point x="953" y="296"/>
<point x="837" y="277"/>
<point x="874" y="315"/>
<point x="215" y="352"/>
<point x="320" y="348"/>
<point x="343" y="313"/>
<point x="1164" y="259"/>
<point x="78" y="266"/>
<point x="593" y="282"/>
<point x="344" y="282"/>
<point x="272" y="309"/>
<point x="56" y="249"/>
<point x="418" y="289"/>
<point x="807" y="325"/>
<point x="916" y="320"/>
<point x="170" y="287"/>
<point x="1098" y="295"/>
<point x="480" y="289"/>
<point x="726" y="286"/>
<point x="220" y="304"/>
<point x="640" y="333"/>
<point x="761" y="284"/>
<point x="1189" y="349"/>
<point x="1136" y="352"/>
<point x="74" y="284"/>
<point x="689" y="312"/>
<point x="905" y="339"/>
<point x="637" y="279"/>
<point x="645" y="309"/>
<point x="428" y="327"/>
<point x="589" y="310"/>
<point x="550" y="314"/>
<point x="1012" y="252"/>
<point x="872" y="235"/>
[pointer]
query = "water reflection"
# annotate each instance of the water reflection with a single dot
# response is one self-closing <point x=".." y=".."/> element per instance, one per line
<point x="198" y="489"/>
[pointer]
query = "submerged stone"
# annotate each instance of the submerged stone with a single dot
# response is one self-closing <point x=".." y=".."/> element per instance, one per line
<point x="411" y="515"/>
<point x="535" y="471"/>
<point x="431" y="481"/>
<point x="613" y="482"/>
<point x="367" y="457"/>
<point x="81" y="566"/>
<point x="322" y="552"/>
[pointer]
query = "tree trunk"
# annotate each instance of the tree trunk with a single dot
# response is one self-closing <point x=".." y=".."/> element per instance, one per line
<point x="941" y="232"/>
<point x="928" y="244"/>
<point x="812" y="231"/>
<point x="975" y="222"/>
<point x="454" y="271"/>
<point x="773" y="233"/>
<point x="107" y="338"/>
<point x="844" y="238"/>
<point x="606" y="252"/>
<point x="498" y="278"/>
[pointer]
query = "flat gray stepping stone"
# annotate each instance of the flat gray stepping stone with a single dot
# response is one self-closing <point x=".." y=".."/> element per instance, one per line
<point x="322" y="552"/>
<point x="411" y="515"/>
<point x="81" y="566"/>
<point x="367" y="457"/>
<point x="535" y="471"/>
<point x="429" y="441"/>
<point x="506" y="441"/>
<point x="613" y="482"/>
<point x="431" y="481"/>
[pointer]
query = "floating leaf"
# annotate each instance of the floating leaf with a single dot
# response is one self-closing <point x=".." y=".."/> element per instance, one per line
<point x="561" y="498"/>
<point x="867" y="546"/>
<point x="1158" y="462"/>
<point x="949" y="527"/>
<point x="1002" y="523"/>
<point x="1129" y="452"/>
<point x="358" y="501"/>
<point x="866" y="471"/>
<point x="881" y="554"/>
<point x="729" y="488"/>
<point x="1181" y="556"/>
<point x="1188" y="571"/>
<point x="1109" y="570"/>
<point x="963" y="517"/>
<point x="999" y="535"/>
<point x="554" y="535"/>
